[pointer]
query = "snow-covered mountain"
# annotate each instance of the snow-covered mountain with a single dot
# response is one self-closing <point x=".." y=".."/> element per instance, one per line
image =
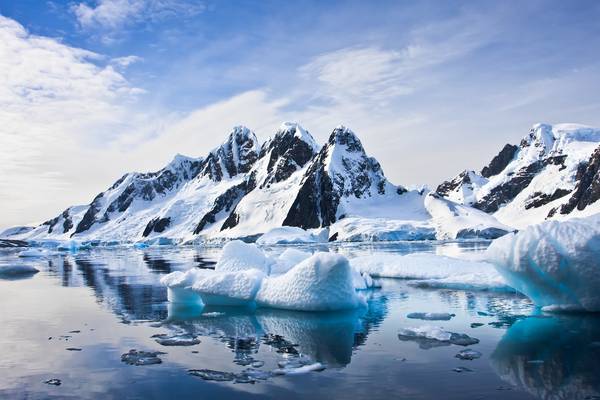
<point x="240" y="189"/>
<point x="551" y="174"/>
<point x="243" y="189"/>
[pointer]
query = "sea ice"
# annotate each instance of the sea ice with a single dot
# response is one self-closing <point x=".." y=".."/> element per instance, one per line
<point x="322" y="282"/>
<point x="300" y="369"/>
<point x="468" y="354"/>
<point x="433" y="271"/>
<point x="428" y="336"/>
<point x="176" y="340"/>
<point x="135" y="357"/>
<point x="293" y="235"/>
<point x="34" y="253"/>
<point x="554" y="263"/>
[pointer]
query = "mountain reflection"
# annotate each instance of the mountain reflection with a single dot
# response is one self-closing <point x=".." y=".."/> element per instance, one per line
<point x="552" y="358"/>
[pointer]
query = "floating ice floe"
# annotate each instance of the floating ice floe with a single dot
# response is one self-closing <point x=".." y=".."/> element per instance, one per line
<point x="135" y="357"/>
<point x="428" y="336"/>
<point x="433" y="271"/>
<point x="556" y="264"/>
<point x="322" y="282"/>
<point x="293" y="235"/>
<point x="429" y="316"/>
<point x="17" y="271"/>
<point x="468" y="354"/>
<point x="33" y="253"/>
<point x="176" y="340"/>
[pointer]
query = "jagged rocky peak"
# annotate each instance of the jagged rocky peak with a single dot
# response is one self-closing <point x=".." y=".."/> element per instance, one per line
<point x="340" y="170"/>
<point x="289" y="150"/>
<point x="352" y="171"/>
<point x="461" y="189"/>
<point x="235" y="156"/>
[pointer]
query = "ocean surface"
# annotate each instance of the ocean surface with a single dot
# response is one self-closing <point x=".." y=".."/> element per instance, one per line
<point x="67" y="332"/>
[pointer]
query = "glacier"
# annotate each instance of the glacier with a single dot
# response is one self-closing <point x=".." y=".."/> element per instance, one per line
<point x="554" y="263"/>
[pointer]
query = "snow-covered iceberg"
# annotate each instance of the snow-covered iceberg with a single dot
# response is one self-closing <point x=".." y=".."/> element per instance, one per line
<point x="322" y="282"/>
<point x="245" y="276"/>
<point x="239" y="256"/>
<point x="556" y="264"/>
<point x="293" y="235"/>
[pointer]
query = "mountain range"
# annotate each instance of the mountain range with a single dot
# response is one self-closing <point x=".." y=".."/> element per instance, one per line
<point x="243" y="189"/>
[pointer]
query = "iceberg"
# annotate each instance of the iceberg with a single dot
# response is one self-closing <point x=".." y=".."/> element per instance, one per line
<point x="294" y="281"/>
<point x="556" y="264"/>
<point x="229" y="288"/>
<point x="239" y="256"/>
<point x="322" y="282"/>
<point x="33" y="253"/>
<point x="178" y="284"/>
<point x="287" y="260"/>
<point x="293" y="235"/>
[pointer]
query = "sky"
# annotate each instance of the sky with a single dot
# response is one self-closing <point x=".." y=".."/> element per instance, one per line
<point x="91" y="89"/>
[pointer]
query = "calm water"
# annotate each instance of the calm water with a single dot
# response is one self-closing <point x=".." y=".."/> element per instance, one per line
<point x="104" y="302"/>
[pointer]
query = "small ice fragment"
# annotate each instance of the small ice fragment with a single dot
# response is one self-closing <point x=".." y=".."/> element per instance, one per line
<point x="431" y="316"/>
<point x="176" y="340"/>
<point x="73" y="349"/>
<point x="299" y="370"/>
<point x="468" y="354"/>
<point x="53" y="381"/>
<point x="476" y="324"/>
<point x="462" y="369"/>
<point x="135" y="357"/>
<point x="212" y="375"/>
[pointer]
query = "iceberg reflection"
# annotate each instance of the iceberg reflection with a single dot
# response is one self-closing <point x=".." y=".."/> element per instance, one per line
<point x="326" y="337"/>
<point x="552" y="358"/>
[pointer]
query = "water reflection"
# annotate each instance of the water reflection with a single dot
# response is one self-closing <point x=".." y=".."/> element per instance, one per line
<point x="553" y="357"/>
<point x="329" y="338"/>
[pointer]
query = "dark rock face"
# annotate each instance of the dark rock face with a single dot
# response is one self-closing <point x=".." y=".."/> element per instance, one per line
<point x="539" y="199"/>
<point x="500" y="162"/>
<point x="157" y="225"/>
<point x="90" y="215"/>
<point x="287" y="153"/>
<point x="324" y="185"/>
<point x="447" y="187"/>
<point x="238" y="154"/>
<point x="587" y="190"/>
<point x="509" y="190"/>
<point x="226" y="203"/>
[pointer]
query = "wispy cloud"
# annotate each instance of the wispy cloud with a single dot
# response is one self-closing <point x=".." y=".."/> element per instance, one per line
<point x="116" y="14"/>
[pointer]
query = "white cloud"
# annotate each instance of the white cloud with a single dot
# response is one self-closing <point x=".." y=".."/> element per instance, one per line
<point x="56" y="104"/>
<point x="126" y="61"/>
<point x="115" y="14"/>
